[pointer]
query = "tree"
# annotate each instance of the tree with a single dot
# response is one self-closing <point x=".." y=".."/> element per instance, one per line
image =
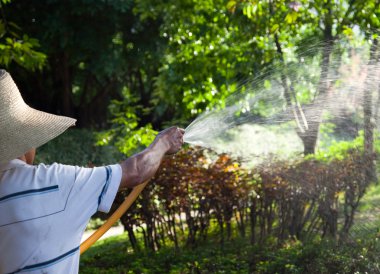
<point x="168" y="61"/>
<point x="299" y="23"/>
<point x="206" y="56"/>
<point x="95" y="49"/>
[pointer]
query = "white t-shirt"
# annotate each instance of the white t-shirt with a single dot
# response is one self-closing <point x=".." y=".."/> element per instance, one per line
<point x="44" y="211"/>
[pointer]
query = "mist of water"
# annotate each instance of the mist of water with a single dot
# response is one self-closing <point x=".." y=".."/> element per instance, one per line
<point x="268" y="114"/>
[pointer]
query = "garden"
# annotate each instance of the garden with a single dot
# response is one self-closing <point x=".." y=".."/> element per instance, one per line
<point x="279" y="101"/>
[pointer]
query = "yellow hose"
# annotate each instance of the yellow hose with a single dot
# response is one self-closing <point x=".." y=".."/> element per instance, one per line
<point x="113" y="219"/>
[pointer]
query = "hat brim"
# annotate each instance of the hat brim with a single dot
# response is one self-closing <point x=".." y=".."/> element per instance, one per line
<point x="30" y="129"/>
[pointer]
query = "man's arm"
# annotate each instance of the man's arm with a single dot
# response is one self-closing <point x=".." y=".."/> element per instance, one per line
<point x="142" y="166"/>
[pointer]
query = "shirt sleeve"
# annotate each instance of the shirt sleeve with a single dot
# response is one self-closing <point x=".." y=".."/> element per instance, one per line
<point x="95" y="188"/>
<point x="110" y="188"/>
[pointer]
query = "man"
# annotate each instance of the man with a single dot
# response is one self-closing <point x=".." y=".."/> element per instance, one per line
<point x="44" y="209"/>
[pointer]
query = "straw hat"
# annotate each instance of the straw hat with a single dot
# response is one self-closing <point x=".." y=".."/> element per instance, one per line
<point x="22" y="127"/>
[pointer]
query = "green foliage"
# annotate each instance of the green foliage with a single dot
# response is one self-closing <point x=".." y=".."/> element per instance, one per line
<point x="112" y="256"/>
<point x="77" y="147"/>
<point x="205" y="54"/>
<point x="95" y="49"/>
<point x="177" y="59"/>
<point x="324" y="256"/>
<point x="340" y="150"/>
<point x="16" y="46"/>
<point x="125" y="133"/>
<point x="22" y="52"/>
<point x="319" y="256"/>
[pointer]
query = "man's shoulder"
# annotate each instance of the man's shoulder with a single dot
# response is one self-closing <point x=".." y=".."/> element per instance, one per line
<point x="17" y="174"/>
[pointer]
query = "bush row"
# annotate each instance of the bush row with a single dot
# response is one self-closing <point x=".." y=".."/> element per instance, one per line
<point x="277" y="200"/>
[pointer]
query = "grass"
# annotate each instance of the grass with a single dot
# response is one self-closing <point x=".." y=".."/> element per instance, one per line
<point x="114" y="255"/>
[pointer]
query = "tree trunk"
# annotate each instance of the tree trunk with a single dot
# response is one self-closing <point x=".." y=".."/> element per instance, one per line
<point x="252" y="214"/>
<point x="132" y="237"/>
<point x="370" y="171"/>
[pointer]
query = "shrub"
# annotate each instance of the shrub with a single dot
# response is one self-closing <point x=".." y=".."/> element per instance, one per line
<point x="277" y="200"/>
<point x="77" y="147"/>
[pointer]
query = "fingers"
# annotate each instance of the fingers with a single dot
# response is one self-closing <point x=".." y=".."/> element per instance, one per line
<point x="181" y="130"/>
<point x="173" y="129"/>
<point x="178" y="137"/>
<point x="182" y="133"/>
<point x="174" y="137"/>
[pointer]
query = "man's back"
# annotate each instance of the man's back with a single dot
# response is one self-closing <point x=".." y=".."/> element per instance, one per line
<point x="44" y="211"/>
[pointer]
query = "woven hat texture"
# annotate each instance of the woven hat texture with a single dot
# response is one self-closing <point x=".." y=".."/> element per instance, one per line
<point x="22" y="127"/>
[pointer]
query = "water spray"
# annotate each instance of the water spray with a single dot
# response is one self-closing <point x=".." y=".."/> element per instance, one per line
<point x="281" y="115"/>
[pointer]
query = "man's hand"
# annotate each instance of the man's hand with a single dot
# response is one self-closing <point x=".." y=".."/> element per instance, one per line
<point x="171" y="138"/>
<point x="142" y="166"/>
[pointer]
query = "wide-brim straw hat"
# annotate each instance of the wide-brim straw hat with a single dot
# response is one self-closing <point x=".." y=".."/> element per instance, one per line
<point x="22" y="127"/>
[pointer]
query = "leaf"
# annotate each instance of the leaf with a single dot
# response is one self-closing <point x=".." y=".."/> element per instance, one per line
<point x="231" y="6"/>
<point x="291" y="17"/>
<point x="249" y="10"/>
<point x="14" y="25"/>
<point x="267" y="84"/>
<point x="274" y="28"/>
<point x="347" y="31"/>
